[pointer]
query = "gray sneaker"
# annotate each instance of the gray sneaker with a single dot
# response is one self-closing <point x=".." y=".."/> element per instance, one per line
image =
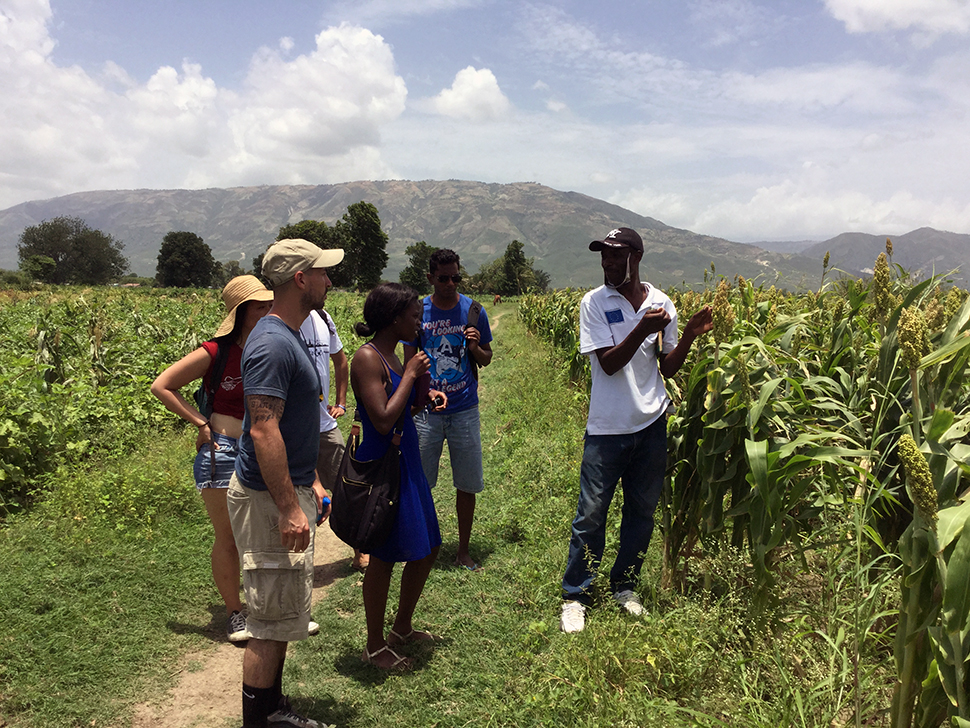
<point x="286" y="717"/>
<point x="236" y="627"/>
<point x="573" y="617"/>
<point x="629" y="601"/>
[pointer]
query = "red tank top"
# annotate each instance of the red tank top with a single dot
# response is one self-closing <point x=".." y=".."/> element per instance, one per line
<point x="229" y="392"/>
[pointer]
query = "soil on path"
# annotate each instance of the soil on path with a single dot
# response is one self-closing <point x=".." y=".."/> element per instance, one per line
<point x="207" y="692"/>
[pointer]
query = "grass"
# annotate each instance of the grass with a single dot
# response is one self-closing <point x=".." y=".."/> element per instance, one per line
<point x="93" y="615"/>
<point x="90" y="610"/>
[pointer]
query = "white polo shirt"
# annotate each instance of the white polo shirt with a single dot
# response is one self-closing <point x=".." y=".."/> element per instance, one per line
<point x="634" y="397"/>
<point x="321" y="339"/>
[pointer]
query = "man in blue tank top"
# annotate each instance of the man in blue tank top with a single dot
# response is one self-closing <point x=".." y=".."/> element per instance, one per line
<point x="456" y="346"/>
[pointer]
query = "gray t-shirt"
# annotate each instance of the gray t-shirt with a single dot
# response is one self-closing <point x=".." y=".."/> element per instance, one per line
<point x="275" y="362"/>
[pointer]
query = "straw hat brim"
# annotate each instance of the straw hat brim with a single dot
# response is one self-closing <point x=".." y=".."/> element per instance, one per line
<point x="229" y="322"/>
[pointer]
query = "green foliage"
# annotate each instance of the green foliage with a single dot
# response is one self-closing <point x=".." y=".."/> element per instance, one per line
<point x="66" y="250"/>
<point x="75" y="368"/>
<point x="510" y="275"/>
<point x="185" y="261"/>
<point x="367" y="249"/>
<point x="360" y="236"/>
<point x="227" y="270"/>
<point x="788" y="426"/>
<point x="415" y="274"/>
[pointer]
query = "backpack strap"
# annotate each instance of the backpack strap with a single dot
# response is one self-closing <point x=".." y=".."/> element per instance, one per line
<point x="474" y="316"/>
<point x="216" y="370"/>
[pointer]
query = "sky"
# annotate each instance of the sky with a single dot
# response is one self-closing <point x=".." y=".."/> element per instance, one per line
<point x="781" y="120"/>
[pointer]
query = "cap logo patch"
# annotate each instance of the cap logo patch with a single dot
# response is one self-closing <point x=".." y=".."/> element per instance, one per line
<point x="613" y="233"/>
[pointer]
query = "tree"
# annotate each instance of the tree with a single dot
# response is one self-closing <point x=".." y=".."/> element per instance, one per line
<point x="358" y="233"/>
<point x="510" y="275"/>
<point x="416" y="272"/>
<point x="39" y="267"/>
<point x="229" y="269"/>
<point x="185" y="261"/>
<point x="80" y="254"/>
<point x="367" y="244"/>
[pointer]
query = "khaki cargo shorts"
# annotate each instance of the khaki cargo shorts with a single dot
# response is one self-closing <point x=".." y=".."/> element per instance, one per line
<point x="278" y="583"/>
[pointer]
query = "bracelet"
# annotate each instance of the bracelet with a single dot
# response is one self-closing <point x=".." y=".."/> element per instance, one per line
<point x="204" y="424"/>
<point x="341" y="406"/>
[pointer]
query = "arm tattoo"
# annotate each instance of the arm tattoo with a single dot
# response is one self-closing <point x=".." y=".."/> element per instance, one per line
<point x="262" y="407"/>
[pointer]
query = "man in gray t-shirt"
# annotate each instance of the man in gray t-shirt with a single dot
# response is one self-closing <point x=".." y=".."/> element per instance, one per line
<point x="275" y="494"/>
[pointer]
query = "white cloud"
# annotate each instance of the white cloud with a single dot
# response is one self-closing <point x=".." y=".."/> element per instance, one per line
<point x="377" y="11"/>
<point x="936" y="17"/>
<point x="474" y="95"/>
<point x="310" y="118"/>
<point x="730" y="21"/>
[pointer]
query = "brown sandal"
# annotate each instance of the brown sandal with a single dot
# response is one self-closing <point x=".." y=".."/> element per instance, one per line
<point x="412" y="636"/>
<point x="400" y="663"/>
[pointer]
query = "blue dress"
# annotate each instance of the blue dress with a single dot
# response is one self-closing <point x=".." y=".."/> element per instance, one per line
<point x="416" y="531"/>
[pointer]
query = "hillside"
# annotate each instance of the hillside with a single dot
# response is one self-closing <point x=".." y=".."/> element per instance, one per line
<point x="476" y="219"/>
<point x="921" y="252"/>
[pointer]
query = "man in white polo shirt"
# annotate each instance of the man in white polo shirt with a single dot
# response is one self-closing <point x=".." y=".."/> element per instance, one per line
<point x="628" y="328"/>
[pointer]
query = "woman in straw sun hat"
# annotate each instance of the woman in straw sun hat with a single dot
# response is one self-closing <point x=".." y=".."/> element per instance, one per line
<point x="247" y="300"/>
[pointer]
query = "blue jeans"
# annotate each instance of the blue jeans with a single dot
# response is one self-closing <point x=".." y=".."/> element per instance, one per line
<point x="463" y="432"/>
<point x="639" y="461"/>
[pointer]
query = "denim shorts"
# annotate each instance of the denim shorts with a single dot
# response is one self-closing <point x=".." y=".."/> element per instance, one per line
<point x="208" y="475"/>
<point x="463" y="432"/>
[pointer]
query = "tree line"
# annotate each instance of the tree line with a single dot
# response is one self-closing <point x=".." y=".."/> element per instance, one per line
<point x="66" y="250"/>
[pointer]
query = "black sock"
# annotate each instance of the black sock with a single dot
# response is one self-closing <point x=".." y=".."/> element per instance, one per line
<point x="278" y="687"/>
<point x="257" y="704"/>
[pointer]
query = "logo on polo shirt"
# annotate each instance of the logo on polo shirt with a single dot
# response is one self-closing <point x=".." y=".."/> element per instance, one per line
<point x="614" y="317"/>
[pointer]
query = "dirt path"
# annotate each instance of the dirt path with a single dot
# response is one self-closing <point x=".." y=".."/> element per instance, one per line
<point x="207" y="692"/>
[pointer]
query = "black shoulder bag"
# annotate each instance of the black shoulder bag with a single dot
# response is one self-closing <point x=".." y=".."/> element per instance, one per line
<point x="365" y="496"/>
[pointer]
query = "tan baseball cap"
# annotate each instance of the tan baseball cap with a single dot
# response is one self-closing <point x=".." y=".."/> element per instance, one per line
<point x="285" y="258"/>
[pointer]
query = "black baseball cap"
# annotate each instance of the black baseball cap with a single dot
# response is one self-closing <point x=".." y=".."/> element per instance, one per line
<point x="619" y="238"/>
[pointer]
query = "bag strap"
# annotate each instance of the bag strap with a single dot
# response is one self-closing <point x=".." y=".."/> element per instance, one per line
<point x="216" y="370"/>
<point x="389" y="389"/>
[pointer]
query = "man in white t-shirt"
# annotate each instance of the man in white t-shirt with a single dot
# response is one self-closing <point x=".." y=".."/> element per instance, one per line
<point x="628" y="329"/>
<point x="320" y="334"/>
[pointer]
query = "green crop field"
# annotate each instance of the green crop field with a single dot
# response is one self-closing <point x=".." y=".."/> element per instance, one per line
<point x="793" y="582"/>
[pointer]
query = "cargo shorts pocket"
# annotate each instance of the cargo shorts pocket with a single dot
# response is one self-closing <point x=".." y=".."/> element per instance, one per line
<point x="275" y="584"/>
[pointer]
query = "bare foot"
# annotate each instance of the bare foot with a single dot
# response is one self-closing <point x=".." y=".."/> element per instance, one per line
<point x="468" y="562"/>
<point x="360" y="562"/>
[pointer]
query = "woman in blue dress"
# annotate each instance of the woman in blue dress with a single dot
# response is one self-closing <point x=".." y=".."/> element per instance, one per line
<point x="392" y="313"/>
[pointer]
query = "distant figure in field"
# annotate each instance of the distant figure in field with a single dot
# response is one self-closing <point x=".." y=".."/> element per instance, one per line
<point x="497" y="300"/>
<point x="247" y="301"/>
<point x="455" y="336"/>
<point x="275" y="494"/>
<point x="629" y="331"/>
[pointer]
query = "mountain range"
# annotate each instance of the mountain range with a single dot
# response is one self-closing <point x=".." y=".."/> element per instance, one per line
<point x="477" y="220"/>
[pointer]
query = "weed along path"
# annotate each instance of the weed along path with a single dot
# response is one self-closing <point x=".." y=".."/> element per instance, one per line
<point x="208" y="689"/>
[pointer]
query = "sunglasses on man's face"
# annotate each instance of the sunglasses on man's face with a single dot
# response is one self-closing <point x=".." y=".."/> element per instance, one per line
<point x="445" y="279"/>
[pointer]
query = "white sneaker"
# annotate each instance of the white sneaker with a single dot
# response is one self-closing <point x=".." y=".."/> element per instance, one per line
<point x="573" y="617"/>
<point x="629" y="601"/>
<point x="313" y="628"/>
<point x="236" y="627"/>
